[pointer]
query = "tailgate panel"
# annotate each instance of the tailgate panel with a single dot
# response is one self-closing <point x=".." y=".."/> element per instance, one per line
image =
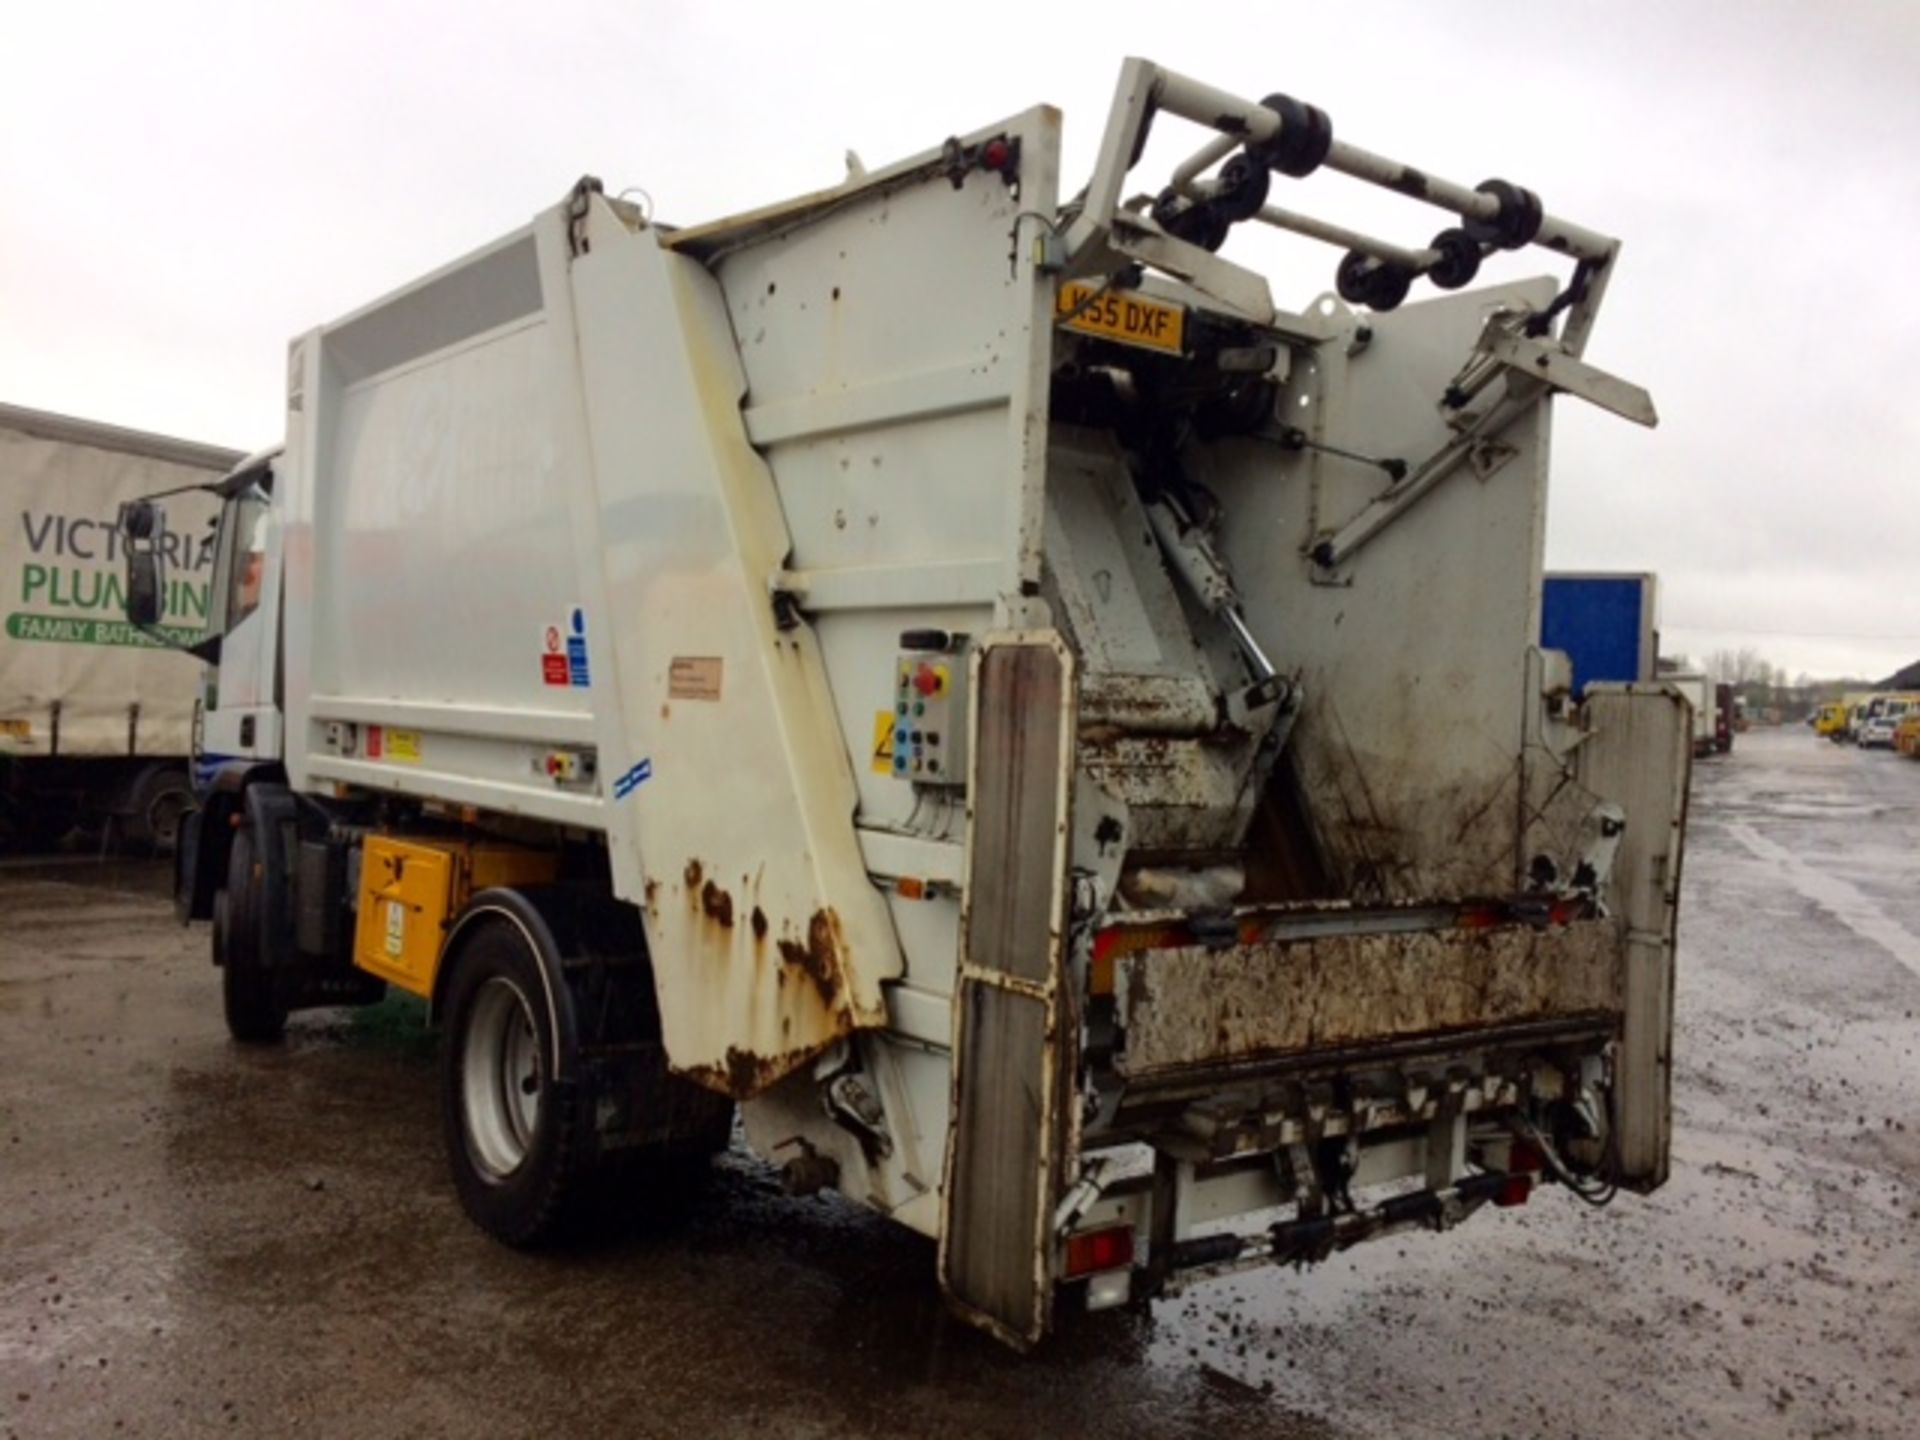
<point x="1191" y="1006"/>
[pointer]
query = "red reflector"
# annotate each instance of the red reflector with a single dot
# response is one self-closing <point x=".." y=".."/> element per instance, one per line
<point x="994" y="155"/>
<point x="1514" y="1190"/>
<point x="1097" y="1250"/>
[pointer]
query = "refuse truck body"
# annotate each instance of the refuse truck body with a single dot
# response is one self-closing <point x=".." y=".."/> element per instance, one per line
<point x="95" y="715"/>
<point x="947" y="667"/>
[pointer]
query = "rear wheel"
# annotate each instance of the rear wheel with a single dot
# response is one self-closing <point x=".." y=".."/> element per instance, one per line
<point x="520" y="1143"/>
<point x="157" y="803"/>
<point x="255" y="1015"/>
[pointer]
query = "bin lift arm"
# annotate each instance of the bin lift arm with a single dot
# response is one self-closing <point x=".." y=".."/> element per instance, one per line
<point x="1179" y="231"/>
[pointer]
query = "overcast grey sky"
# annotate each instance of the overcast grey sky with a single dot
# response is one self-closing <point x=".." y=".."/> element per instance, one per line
<point x="184" y="186"/>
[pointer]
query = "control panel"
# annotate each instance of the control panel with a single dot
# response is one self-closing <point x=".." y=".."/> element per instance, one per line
<point x="930" y="713"/>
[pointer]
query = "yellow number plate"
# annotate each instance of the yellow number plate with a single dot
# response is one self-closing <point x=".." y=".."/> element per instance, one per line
<point x="1117" y="315"/>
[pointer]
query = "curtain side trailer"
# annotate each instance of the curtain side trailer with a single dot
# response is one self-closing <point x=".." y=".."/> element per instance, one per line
<point x="95" y="716"/>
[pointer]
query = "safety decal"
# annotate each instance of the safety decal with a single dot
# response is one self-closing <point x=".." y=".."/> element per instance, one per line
<point x="563" y="652"/>
<point x="630" y="781"/>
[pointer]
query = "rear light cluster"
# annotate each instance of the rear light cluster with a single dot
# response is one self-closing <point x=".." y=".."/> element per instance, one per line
<point x="1524" y="1161"/>
<point x="1092" y="1251"/>
<point x="1513" y="1190"/>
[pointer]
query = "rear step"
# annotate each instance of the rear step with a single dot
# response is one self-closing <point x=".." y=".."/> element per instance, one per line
<point x="1308" y="1241"/>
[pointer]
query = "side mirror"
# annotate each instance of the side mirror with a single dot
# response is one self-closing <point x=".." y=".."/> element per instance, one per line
<point x="139" y="519"/>
<point x="143" y="588"/>
<point x="140" y="522"/>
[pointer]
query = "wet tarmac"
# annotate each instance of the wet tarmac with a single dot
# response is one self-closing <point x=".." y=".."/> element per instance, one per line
<point x="197" y="1239"/>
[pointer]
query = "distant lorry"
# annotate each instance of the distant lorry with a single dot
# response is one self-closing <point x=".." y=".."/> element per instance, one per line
<point x="1880" y="717"/>
<point x="1857" y="704"/>
<point x="1061" y="743"/>
<point x="1604" y="623"/>
<point x="1906" y="734"/>
<point x="94" y="714"/>
<point x="1704" y="705"/>
<point x="1726" y="717"/>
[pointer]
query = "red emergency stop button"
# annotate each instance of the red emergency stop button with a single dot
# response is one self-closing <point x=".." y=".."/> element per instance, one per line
<point x="925" y="681"/>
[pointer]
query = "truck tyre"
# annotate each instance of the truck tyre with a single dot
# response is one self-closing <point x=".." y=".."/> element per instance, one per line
<point x="157" y="803"/>
<point x="521" y="1145"/>
<point x="255" y="1015"/>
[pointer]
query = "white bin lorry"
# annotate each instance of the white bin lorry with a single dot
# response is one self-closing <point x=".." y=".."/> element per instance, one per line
<point x="955" y="671"/>
<point x="95" y="715"/>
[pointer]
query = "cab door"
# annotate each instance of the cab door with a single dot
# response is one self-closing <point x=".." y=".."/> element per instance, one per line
<point x="242" y="715"/>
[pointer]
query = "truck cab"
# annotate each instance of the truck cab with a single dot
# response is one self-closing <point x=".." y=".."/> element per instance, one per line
<point x="241" y="714"/>
<point x="237" y="726"/>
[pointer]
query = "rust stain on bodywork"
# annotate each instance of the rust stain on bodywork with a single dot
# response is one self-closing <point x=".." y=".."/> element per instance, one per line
<point x="717" y="904"/>
<point x="743" y="1074"/>
<point x="797" y="996"/>
<point x="819" y="957"/>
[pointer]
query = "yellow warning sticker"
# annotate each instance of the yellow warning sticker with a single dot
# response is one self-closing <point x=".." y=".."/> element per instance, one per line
<point x="404" y="745"/>
<point x="883" y="742"/>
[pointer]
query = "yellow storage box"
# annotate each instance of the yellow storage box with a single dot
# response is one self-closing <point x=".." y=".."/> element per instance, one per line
<point x="410" y="888"/>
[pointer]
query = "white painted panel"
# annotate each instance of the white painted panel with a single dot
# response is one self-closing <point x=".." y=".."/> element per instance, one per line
<point x="768" y="939"/>
<point x="1414" y="658"/>
<point x="450" y="546"/>
<point x="1638" y="755"/>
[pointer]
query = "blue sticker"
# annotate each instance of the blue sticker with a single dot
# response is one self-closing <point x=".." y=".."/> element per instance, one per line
<point x="577" y="673"/>
<point x="630" y="781"/>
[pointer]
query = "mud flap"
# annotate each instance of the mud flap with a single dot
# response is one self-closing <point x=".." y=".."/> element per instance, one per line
<point x="1639" y="754"/>
<point x="1009" y="1130"/>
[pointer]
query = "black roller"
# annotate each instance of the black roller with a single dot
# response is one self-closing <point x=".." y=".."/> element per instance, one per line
<point x="1389" y="287"/>
<point x="1363" y="280"/>
<point x="1459" y="259"/>
<point x="1305" y="136"/>
<point x="1351" y="279"/>
<point x="1202" y="224"/>
<point x="1244" y="182"/>
<point x="1518" y="221"/>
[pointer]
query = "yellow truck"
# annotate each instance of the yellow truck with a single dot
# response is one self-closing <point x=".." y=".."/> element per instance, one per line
<point x="1906" y="734"/>
<point x="1830" y="720"/>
